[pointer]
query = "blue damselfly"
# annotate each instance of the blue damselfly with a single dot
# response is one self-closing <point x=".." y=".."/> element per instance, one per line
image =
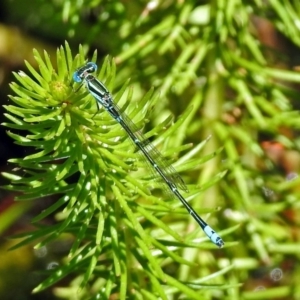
<point x="167" y="173"/>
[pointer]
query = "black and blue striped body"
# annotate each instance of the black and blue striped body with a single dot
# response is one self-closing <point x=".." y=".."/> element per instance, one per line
<point x="153" y="156"/>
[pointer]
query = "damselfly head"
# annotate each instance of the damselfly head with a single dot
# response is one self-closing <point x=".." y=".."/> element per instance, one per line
<point x="82" y="72"/>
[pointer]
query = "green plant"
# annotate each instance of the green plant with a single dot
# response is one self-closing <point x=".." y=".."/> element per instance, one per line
<point x="121" y="244"/>
<point x="212" y="56"/>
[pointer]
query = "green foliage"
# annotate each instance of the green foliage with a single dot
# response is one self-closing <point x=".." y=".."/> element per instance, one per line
<point x="116" y="238"/>
<point x="209" y="64"/>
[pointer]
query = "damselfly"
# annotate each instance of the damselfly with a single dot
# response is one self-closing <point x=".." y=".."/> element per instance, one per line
<point x="151" y="154"/>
